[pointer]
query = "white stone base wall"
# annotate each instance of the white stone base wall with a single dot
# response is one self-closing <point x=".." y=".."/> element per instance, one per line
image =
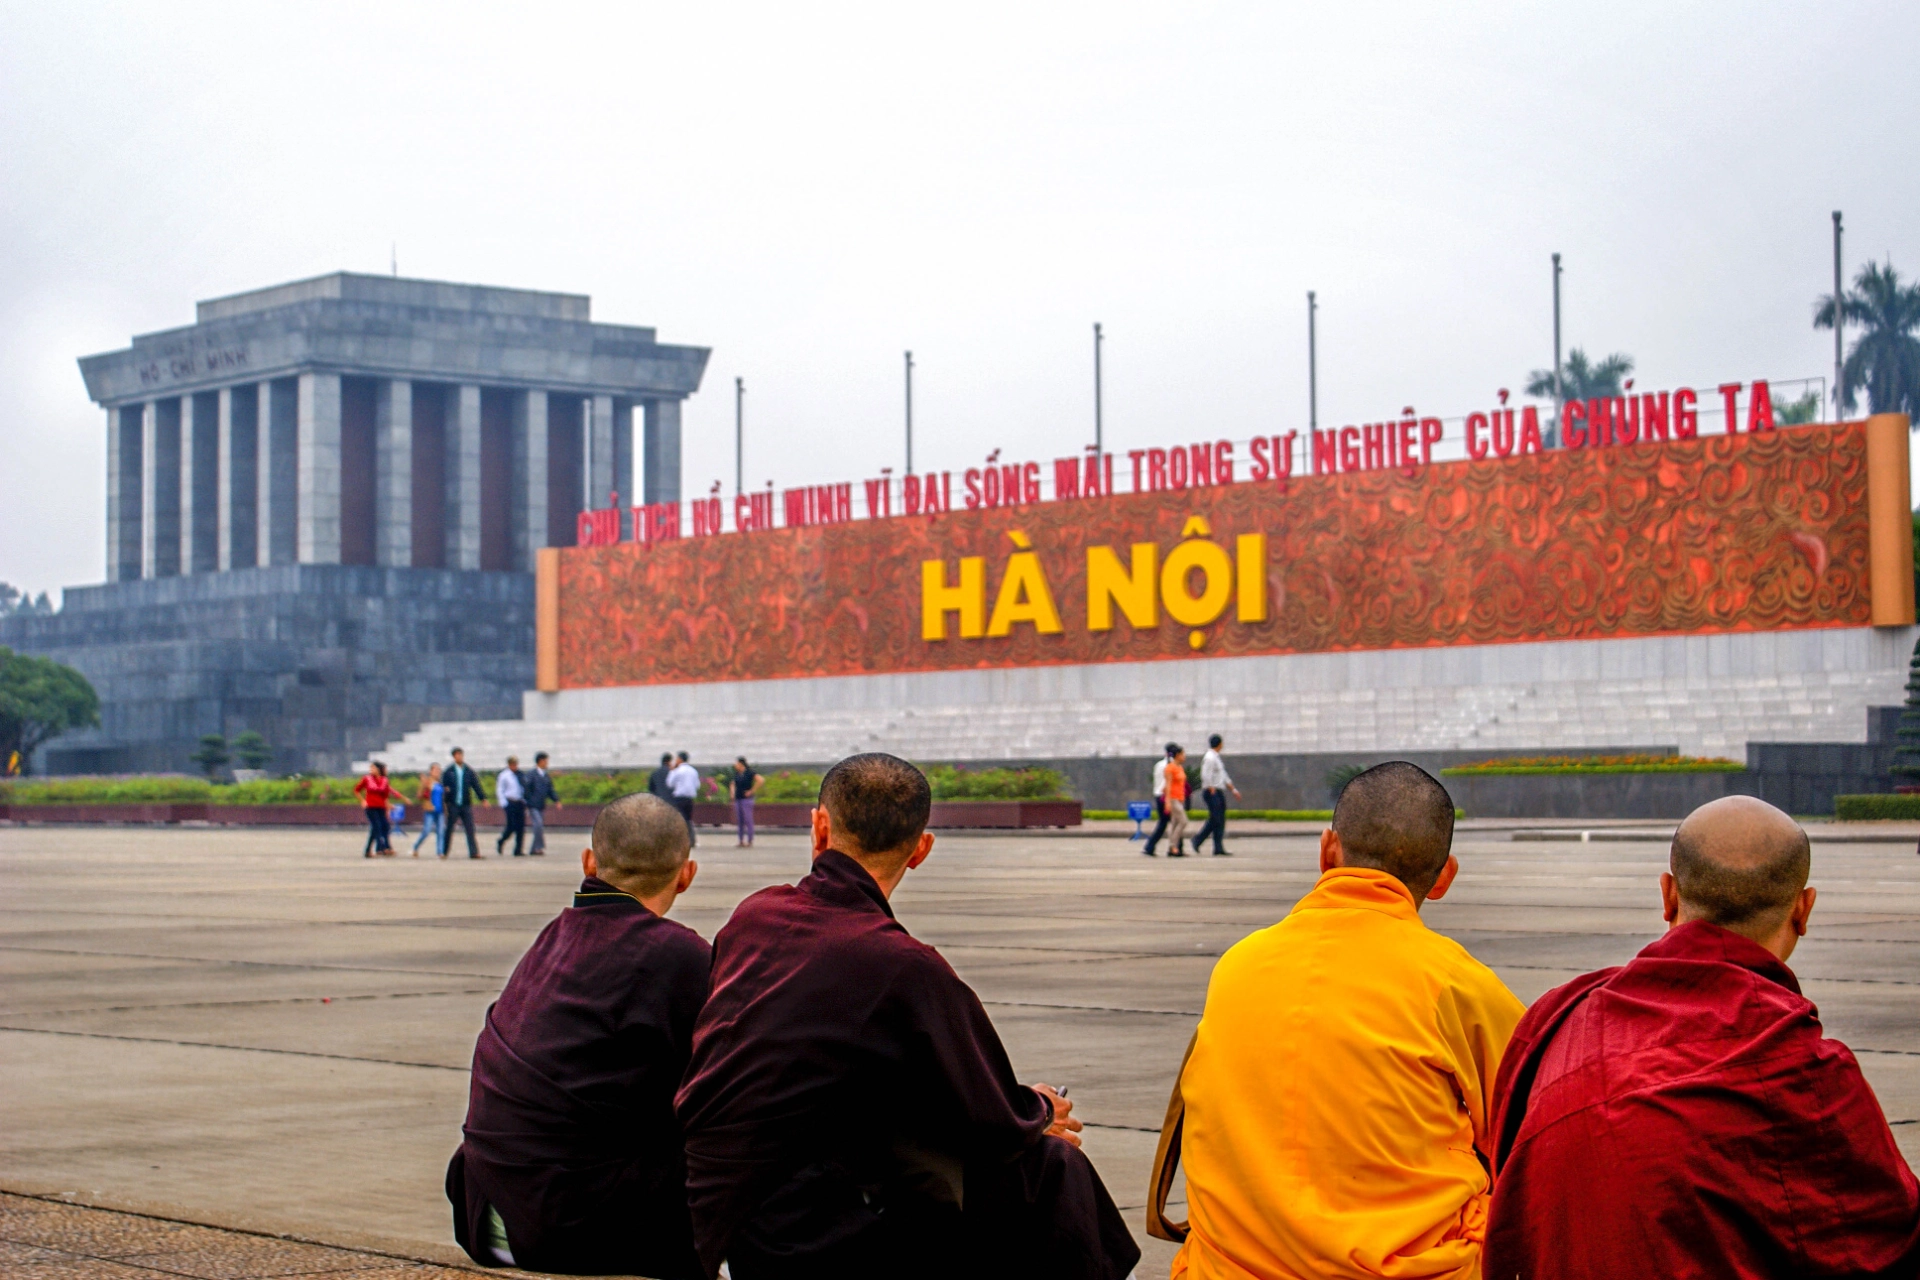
<point x="1705" y="695"/>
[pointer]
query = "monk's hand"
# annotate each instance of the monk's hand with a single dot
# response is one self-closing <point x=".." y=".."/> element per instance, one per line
<point x="1064" y="1125"/>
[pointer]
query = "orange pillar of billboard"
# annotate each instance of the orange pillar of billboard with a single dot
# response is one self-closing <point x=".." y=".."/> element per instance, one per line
<point x="1889" y="521"/>
<point x="546" y="619"/>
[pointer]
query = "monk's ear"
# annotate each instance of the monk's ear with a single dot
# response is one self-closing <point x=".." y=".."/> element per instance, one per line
<point x="1444" y="881"/>
<point x="1669" y="897"/>
<point x="1802" y="908"/>
<point x="822" y="830"/>
<point x="687" y="873"/>
<point x="921" y="850"/>
<point x="588" y="866"/>
<point x="1329" y="850"/>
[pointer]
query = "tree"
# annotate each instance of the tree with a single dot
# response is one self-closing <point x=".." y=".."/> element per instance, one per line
<point x="1906" y="756"/>
<point x="251" y="750"/>
<point x="212" y="753"/>
<point x="1885" y="359"/>
<point x="41" y="699"/>
<point x="1791" y="413"/>
<point x="1580" y="380"/>
<point x="15" y="601"/>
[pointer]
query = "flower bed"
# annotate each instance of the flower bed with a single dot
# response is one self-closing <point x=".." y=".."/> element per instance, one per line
<point x="1551" y="765"/>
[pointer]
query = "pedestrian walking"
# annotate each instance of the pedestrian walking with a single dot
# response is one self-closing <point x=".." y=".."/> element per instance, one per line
<point x="375" y="791"/>
<point x="1215" y="782"/>
<point x="1176" y="799"/>
<point x="746" y="785"/>
<point x="683" y="784"/>
<point x="433" y="806"/>
<point x="511" y="794"/>
<point x="463" y="788"/>
<point x="657" y="780"/>
<point x="540" y="794"/>
<point x="1159" y="798"/>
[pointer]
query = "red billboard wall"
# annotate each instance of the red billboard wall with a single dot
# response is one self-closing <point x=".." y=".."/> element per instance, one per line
<point x="1723" y="533"/>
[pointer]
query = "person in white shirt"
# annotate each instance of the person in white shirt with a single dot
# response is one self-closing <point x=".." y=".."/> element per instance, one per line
<point x="512" y="797"/>
<point x="683" y="784"/>
<point x="1214" y="785"/>
<point x="1159" y="799"/>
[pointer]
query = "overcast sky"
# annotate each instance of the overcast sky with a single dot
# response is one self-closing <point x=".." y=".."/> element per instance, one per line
<point x="810" y="189"/>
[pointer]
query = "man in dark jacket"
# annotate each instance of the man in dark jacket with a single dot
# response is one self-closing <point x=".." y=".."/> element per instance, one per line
<point x="657" y="780"/>
<point x="463" y="787"/>
<point x="849" y="1110"/>
<point x="572" y="1160"/>
<point x="539" y="794"/>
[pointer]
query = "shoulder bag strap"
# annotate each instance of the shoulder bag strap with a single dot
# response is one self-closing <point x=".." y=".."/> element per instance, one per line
<point x="1166" y="1160"/>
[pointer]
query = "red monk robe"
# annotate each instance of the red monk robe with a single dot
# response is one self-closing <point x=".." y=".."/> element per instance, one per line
<point x="570" y="1133"/>
<point x="1685" y="1116"/>
<point x="850" y="1112"/>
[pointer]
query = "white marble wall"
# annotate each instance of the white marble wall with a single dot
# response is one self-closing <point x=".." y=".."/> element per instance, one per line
<point x="1706" y="695"/>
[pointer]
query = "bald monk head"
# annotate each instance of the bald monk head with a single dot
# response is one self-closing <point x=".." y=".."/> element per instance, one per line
<point x="1395" y="818"/>
<point x="874" y="808"/>
<point x="1742" y="864"/>
<point x="640" y="846"/>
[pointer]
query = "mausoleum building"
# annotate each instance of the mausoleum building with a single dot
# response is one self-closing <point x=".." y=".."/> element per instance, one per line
<point x="323" y="503"/>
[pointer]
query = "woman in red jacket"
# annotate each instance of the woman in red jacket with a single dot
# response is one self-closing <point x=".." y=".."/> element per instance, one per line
<point x="375" y="791"/>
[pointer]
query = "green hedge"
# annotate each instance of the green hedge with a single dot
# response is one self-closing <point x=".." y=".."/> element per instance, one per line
<point x="1870" y="808"/>
<point x="948" y="782"/>
<point x="1550" y="765"/>
<point x="107" y="791"/>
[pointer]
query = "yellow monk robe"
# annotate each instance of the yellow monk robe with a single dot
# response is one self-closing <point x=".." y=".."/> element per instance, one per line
<point x="1340" y="1086"/>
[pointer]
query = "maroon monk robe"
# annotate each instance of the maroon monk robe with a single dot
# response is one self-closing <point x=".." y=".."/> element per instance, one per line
<point x="570" y="1131"/>
<point x="851" y="1113"/>
<point x="1685" y="1116"/>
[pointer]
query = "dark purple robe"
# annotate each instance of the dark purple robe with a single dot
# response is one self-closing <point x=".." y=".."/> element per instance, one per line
<point x="1686" y="1116"/>
<point x="570" y="1131"/>
<point x="850" y="1112"/>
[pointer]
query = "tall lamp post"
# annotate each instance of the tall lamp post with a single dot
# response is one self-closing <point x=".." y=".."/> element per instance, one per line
<point x="909" y="413"/>
<point x="1839" y="322"/>
<point x="1313" y="368"/>
<point x="1099" y="437"/>
<point x="1558" y="392"/>
<point x="739" y="434"/>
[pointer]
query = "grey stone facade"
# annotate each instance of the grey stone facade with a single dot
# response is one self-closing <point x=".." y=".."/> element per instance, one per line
<point x="324" y="500"/>
<point x="325" y="661"/>
<point x="372" y="420"/>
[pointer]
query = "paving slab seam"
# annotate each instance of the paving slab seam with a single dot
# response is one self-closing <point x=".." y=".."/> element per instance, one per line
<point x="252" y="964"/>
<point x="1084" y="1008"/>
<point x="236" y="1048"/>
<point x="244" y="1004"/>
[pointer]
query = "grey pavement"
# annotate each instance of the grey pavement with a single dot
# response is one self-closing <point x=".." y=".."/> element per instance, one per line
<point x="263" y="1030"/>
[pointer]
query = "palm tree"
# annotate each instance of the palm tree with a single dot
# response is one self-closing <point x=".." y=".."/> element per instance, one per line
<point x="1580" y="380"/>
<point x="1886" y="358"/>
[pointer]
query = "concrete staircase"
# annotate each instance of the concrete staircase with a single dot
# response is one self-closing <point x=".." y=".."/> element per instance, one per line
<point x="1715" y="715"/>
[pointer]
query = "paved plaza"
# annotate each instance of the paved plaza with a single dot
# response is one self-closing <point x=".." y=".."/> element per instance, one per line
<point x="263" y="1031"/>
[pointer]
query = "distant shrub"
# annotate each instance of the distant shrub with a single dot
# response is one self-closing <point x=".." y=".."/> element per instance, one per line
<point x="598" y="788"/>
<point x="306" y="790"/>
<point x="951" y="783"/>
<point x="1596" y="764"/>
<point x="791" y="788"/>
<point x="1876" y="808"/>
<point x="150" y="790"/>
